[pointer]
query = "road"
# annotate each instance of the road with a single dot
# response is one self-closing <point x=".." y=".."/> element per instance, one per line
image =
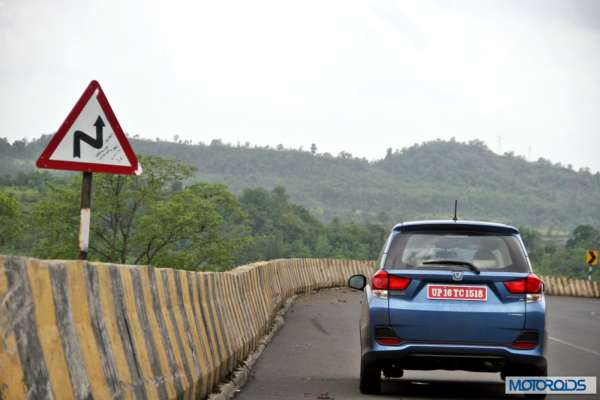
<point x="316" y="354"/>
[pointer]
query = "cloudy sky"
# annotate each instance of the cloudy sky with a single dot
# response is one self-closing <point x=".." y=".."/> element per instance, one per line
<point x="358" y="76"/>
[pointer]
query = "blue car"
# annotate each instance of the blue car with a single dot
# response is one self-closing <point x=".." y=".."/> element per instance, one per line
<point x="454" y="295"/>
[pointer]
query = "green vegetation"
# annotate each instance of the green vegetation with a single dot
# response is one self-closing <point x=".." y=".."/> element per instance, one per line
<point x="338" y="207"/>
<point x="147" y="219"/>
<point x="280" y="229"/>
<point x="10" y="220"/>
<point x="563" y="260"/>
<point x="419" y="182"/>
<point x="164" y="218"/>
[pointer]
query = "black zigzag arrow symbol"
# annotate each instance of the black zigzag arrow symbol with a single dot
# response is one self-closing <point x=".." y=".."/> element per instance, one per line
<point x="83" y="137"/>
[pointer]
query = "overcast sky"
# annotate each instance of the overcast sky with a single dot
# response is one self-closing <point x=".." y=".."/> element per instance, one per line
<point x="347" y="75"/>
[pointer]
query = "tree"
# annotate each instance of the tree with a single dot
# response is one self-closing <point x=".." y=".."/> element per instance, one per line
<point x="144" y="219"/>
<point x="54" y="221"/>
<point x="388" y="153"/>
<point x="189" y="229"/>
<point x="11" y="223"/>
<point x="584" y="236"/>
<point x="279" y="228"/>
<point x="5" y="146"/>
<point x="118" y="200"/>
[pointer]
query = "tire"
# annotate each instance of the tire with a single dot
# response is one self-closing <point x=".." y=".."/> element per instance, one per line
<point x="370" y="379"/>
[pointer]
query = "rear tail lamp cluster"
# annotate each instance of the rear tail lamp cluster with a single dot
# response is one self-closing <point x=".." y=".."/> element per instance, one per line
<point x="381" y="282"/>
<point x="384" y="281"/>
<point x="386" y="336"/>
<point x="526" y="341"/>
<point x="531" y="286"/>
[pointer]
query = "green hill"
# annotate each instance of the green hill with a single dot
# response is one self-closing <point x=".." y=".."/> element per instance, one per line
<point x="417" y="182"/>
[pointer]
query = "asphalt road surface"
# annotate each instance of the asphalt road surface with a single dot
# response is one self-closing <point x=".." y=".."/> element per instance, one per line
<point x="316" y="354"/>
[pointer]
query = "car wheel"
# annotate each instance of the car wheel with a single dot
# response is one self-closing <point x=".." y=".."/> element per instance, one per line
<point x="370" y="379"/>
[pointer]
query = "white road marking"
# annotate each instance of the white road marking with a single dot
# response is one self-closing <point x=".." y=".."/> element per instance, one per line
<point x="585" y="349"/>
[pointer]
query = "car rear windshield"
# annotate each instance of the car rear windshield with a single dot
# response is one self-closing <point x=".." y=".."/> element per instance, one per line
<point x="487" y="252"/>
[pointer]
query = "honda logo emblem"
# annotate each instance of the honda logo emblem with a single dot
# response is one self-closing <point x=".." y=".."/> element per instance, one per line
<point x="457" y="276"/>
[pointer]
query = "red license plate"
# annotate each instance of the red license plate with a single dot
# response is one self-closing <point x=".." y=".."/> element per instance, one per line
<point x="457" y="292"/>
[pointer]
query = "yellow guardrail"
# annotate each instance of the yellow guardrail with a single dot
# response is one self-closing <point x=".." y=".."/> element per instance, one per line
<point x="72" y="329"/>
<point x="562" y="286"/>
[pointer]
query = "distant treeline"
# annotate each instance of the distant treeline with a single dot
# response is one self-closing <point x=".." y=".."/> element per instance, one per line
<point x="166" y="217"/>
<point x="419" y="182"/>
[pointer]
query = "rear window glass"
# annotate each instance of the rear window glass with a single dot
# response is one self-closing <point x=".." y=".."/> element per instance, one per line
<point x="486" y="252"/>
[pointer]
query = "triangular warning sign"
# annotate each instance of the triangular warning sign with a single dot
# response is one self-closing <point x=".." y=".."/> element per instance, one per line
<point x="90" y="139"/>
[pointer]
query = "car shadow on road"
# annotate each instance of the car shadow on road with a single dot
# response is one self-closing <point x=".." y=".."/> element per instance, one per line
<point x="443" y="389"/>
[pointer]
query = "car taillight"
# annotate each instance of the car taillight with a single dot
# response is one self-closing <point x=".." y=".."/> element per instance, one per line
<point x="389" y="341"/>
<point x="399" y="282"/>
<point x="534" y="284"/>
<point x="517" y="286"/>
<point x="530" y="285"/>
<point x="384" y="281"/>
<point x="523" y="345"/>
<point x="387" y="336"/>
<point x="380" y="281"/>
<point x="526" y="341"/>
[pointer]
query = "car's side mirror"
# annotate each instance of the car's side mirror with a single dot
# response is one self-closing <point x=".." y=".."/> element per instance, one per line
<point x="357" y="282"/>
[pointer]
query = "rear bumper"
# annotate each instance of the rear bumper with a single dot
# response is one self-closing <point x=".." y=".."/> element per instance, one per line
<point x="422" y="356"/>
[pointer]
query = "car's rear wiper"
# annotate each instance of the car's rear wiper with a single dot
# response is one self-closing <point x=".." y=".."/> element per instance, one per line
<point x="454" y="262"/>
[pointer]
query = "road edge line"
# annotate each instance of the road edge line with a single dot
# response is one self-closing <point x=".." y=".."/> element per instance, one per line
<point x="580" y="348"/>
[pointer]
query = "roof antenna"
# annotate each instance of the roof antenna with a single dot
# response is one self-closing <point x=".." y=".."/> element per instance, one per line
<point x="455" y="207"/>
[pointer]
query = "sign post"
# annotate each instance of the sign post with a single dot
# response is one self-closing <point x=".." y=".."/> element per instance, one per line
<point x="86" y="211"/>
<point x="90" y="140"/>
<point x="591" y="258"/>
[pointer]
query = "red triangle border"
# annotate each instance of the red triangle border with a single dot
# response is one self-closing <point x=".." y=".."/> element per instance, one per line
<point x="44" y="160"/>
